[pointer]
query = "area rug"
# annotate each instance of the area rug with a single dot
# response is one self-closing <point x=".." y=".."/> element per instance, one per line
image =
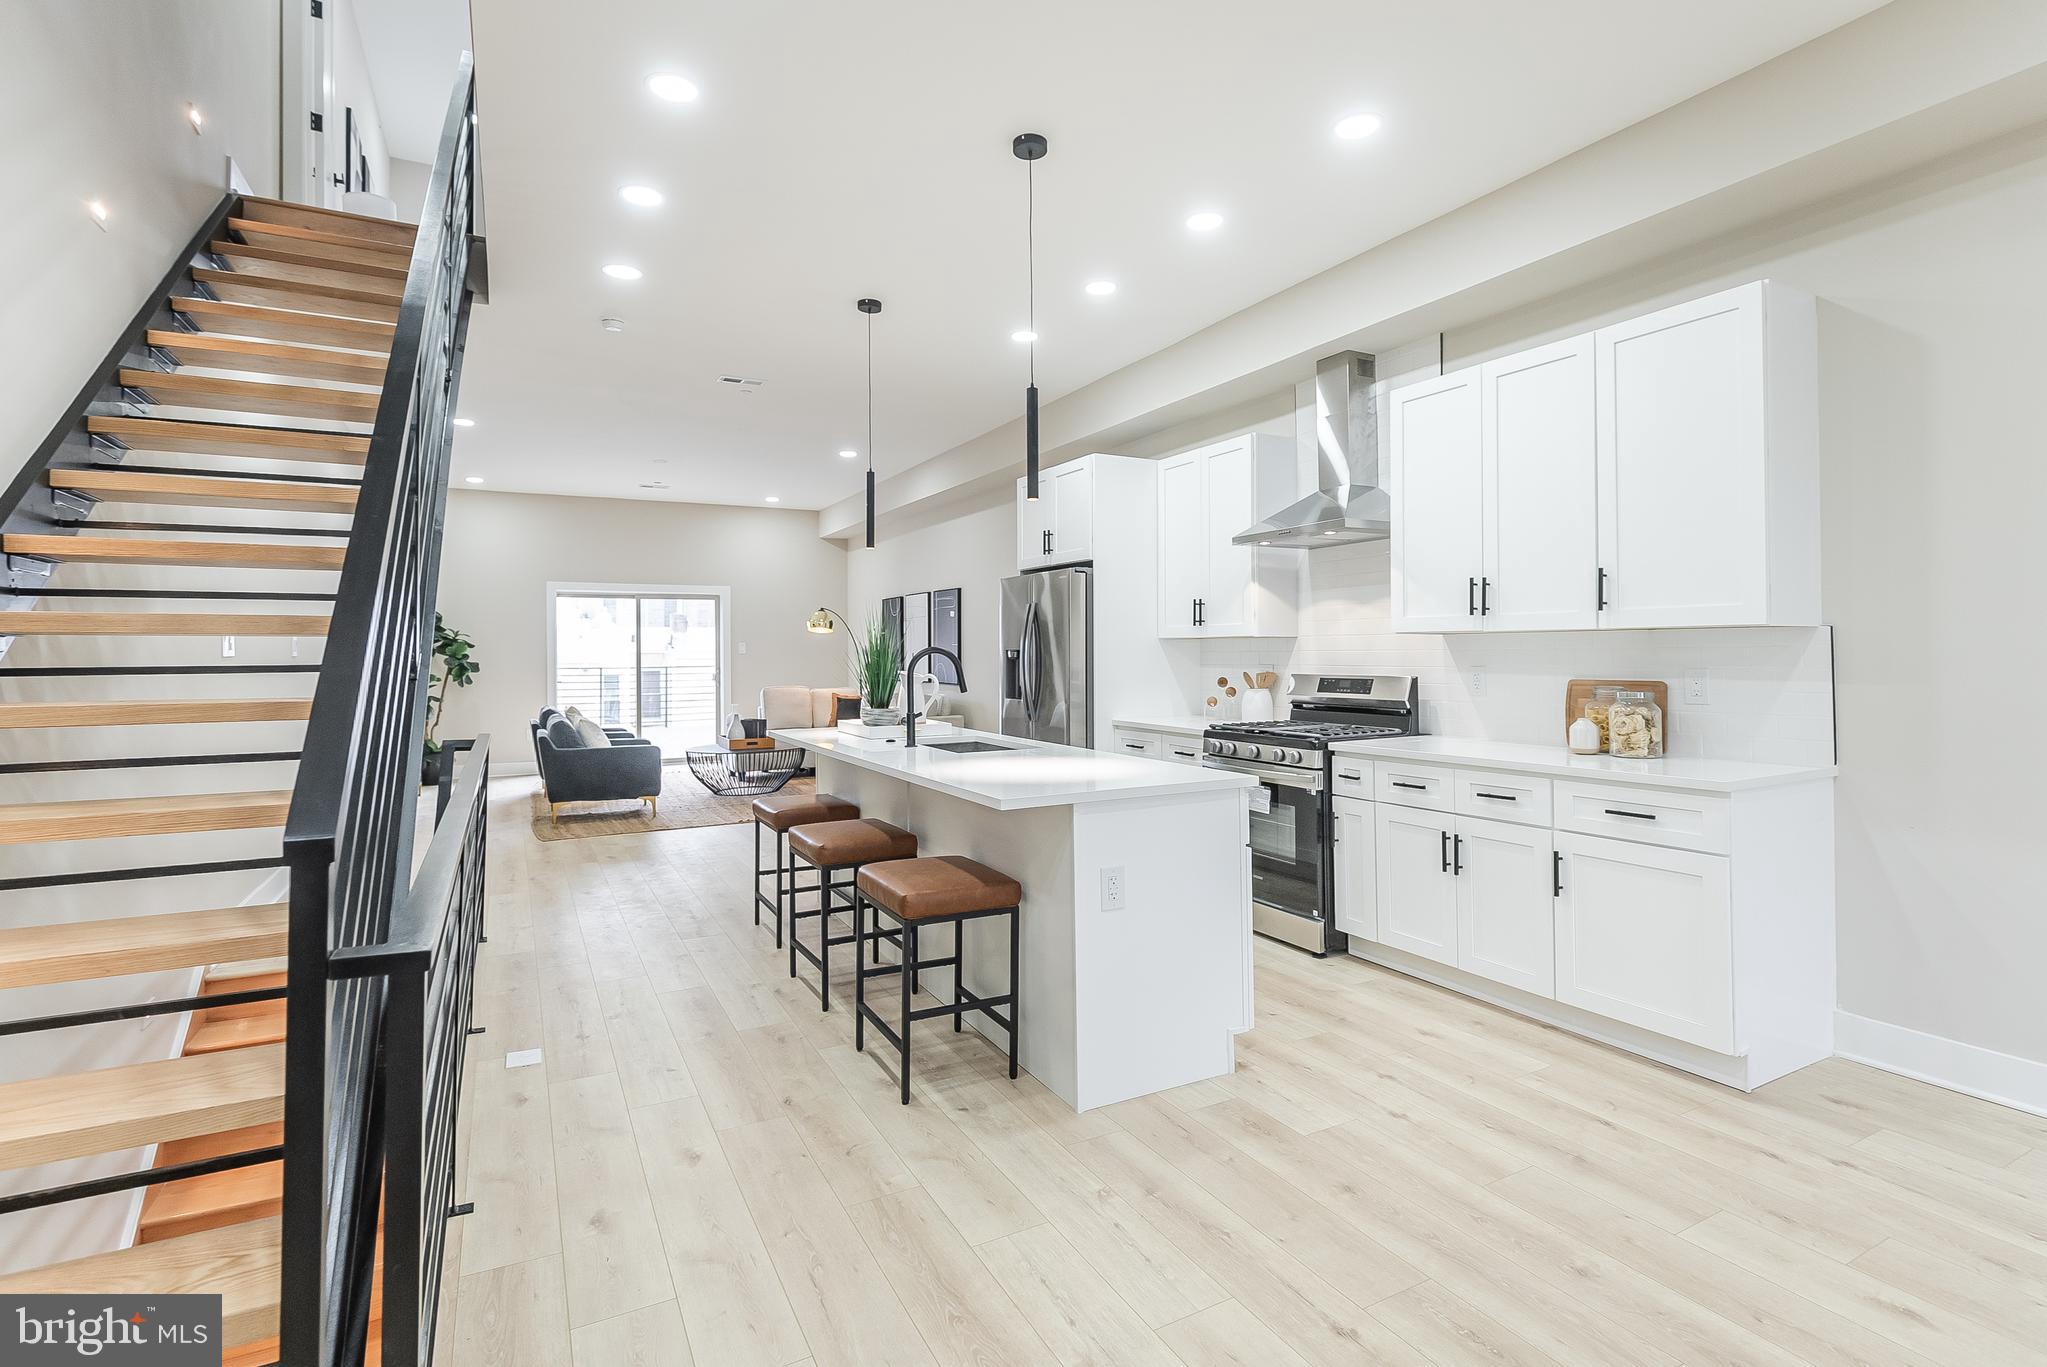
<point x="684" y="803"/>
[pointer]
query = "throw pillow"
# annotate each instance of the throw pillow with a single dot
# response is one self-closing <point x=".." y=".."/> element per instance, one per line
<point x="593" y="734"/>
<point x="563" y="733"/>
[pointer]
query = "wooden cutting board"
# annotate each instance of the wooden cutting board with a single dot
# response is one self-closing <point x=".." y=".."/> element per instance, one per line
<point x="1579" y="692"/>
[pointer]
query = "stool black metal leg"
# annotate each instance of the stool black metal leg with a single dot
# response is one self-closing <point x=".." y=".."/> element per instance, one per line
<point x="824" y="942"/>
<point x="859" y="978"/>
<point x="1015" y="1001"/>
<point x="792" y="915"/>
<point x="785" y="875"/>
<point x="959" y="974"/>
<point x="908" y="971"/>
<point x="757" y="874"/>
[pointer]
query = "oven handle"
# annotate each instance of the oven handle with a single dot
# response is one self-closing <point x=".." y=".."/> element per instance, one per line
<point x="1279" y="779"/>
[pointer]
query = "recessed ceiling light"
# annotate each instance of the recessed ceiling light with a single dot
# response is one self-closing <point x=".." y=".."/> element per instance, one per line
<point x="644" y="196"/>
<point x="772" y="498"/>
<point x="1207" y="221"/>
<point x="612" y="324"/>
<point x="1101" y="287"/>
<point x="472" y="479"/>
<point x="849" y="455"/>
<point x="465" y="422"/>
<point x="1023" y="335"/>
<point x="671" y="87"/>
<point x="619" y="271"/>
<point x="1357" y="126"/>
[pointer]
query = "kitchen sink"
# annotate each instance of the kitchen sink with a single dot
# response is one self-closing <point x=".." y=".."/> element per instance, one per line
<point x="965" y="747"/>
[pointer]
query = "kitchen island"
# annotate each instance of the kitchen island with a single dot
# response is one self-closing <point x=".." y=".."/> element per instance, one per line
<point x="1118" y="1001"/>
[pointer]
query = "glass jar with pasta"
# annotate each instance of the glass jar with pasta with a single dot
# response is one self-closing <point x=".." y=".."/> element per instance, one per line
<point x="1634" y="726"/>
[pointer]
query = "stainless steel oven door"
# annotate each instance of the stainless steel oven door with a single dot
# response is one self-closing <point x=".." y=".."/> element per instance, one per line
<point x="1286" y="840"/>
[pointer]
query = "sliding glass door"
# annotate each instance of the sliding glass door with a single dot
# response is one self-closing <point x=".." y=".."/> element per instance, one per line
<point x="645" y="661"/>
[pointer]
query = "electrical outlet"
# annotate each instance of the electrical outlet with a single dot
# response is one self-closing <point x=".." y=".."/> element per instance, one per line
<point x="1477" y="677"/>
<point x="1112" y="889"/>
<point x="1697" y="694"/>
<point x="742" y="647"/>
<point x="227" y="647"/>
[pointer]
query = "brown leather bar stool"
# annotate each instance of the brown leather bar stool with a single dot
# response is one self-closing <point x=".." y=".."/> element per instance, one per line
<point x="837" y="847"/>
<point x="916" y="893"/>
<point x="782" y="813"/>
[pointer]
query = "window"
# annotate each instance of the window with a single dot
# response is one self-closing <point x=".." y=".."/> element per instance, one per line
<point x="648" y="661"/>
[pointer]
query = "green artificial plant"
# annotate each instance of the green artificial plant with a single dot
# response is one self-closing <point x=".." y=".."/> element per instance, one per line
<point x="452" y="665"/>
<point x="877" y="663"/>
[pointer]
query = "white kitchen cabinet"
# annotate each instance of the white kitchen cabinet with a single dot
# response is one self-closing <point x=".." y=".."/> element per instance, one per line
<point x="1058" y="528"/>
<point x="1208" y="585"/>
<point x="1142" y="744"/>
<point x="1354" y="851"/>
<point x="1505" y="918"/>
<point x="1660" y="472"/>
<point x="1417" y="903"/>
<point x="1435" y="474"/>
<point x="1540" y="510"/>
<point x="1644" y="934"/>
<point x="1709" y="463"/>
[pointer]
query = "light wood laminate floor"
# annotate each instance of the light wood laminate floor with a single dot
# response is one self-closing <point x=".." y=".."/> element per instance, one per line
<point x="702" y="1170"/>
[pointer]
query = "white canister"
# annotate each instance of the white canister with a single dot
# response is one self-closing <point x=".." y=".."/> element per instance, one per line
<point x="1584" y="739"/>
<point x="1257" y="704"/>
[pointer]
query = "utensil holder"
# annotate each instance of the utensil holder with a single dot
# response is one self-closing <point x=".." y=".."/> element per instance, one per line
<point x="1257" y="703"/>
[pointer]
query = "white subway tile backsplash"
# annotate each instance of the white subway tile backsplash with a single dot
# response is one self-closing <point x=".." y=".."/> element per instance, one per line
<point x="1771" y="687"/>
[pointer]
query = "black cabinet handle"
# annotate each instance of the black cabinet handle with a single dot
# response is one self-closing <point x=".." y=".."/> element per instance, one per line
<point x="1471" y="598"/>
<point x="1446" y="851"/>
<point x="1498" y="797"/>
<point x="1485" y="597"/>
<point x="1418" y="787"/>
<point x="1602" y="588"/>
<point x="1347" y="774"/>
<point x="1556" y="873"/>
<point x="1457" y="855"/>
<point x="1639" y="816"/>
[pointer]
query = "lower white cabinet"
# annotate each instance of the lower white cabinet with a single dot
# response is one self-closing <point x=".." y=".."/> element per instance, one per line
<point x="1354" y="850"/>
<point x="1505" y="892"/>
<point x="1645" y="935"/>
<point x="1417" y="891"/>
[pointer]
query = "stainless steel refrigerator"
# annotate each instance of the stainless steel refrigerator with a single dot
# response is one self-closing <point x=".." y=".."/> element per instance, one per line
<point x="1047" y="658"/>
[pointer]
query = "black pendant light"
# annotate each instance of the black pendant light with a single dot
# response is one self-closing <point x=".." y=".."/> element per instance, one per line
<point x="870" y="307"/>
<point x="1030" y="148"/>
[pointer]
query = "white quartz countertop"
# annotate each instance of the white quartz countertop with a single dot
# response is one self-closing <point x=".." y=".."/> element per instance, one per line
<point x="1699" y="775"/>
<point x="1025" y="774"/>
<point x="1179" y="726"/>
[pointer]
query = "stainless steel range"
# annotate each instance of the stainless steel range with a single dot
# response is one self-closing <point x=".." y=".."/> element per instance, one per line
<point x="1292" y="875"/>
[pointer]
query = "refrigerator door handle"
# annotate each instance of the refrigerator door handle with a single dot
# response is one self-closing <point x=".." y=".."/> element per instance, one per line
<point x="1027" y="668"/>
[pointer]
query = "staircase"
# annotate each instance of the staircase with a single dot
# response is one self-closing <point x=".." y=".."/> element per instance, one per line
<point x="210" y="482"/>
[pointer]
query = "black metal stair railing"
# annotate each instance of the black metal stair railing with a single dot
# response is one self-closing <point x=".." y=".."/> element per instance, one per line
<point x="381" y="955"/>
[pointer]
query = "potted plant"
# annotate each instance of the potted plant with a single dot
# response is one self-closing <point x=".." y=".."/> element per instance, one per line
<point x="877" y="668"/>
<point x="453" y="665"/>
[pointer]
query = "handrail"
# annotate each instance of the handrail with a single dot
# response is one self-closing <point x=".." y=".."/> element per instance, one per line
<point x="369" y="1021"/>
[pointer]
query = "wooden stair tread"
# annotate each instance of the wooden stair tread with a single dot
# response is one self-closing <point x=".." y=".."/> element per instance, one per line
<point x="224" y="316"/>
<point x="38" y="622"/>
<point x="115" y="550"/>
<point x="233" y="439"/>
<point x="287" y="261"/>
<point x="376" y="305"/>
<point x="220" y="1143"/>
<point x="173" y="814"/>
<point x="16" y="716"/>
<point x="47" y="1119"/>
<point x="337" y="238"/>
<point x="184" y="390"/>
<point x="190" y="1204"/>
<point x="239" y="1263"/>
<point x="200" y="490"/>
<point x="265" y="967"/>
<point x="237" y="1032"/>
<point x="224" y="983"/>
<point x="33" y="955"/>
<point x="254" y="355"/>
<point x="328" y="220"/>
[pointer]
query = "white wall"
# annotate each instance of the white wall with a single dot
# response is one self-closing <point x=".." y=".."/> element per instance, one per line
<point x="407" y="186"/>
<point x="502" y="550"/>
<point x="94" y="98"/>
<point x="353" y="89"/>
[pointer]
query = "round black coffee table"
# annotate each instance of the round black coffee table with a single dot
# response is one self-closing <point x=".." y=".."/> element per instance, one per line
<point x="744" y="773"/>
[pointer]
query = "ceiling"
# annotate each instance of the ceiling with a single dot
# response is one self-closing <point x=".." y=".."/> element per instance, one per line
<point x="842" y="150"/>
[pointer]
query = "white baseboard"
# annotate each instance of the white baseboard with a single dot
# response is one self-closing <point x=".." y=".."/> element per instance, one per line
<point x="1970" y="1069"/>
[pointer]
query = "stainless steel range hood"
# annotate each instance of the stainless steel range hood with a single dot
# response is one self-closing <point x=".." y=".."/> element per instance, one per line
<point x="1348" y="506"/>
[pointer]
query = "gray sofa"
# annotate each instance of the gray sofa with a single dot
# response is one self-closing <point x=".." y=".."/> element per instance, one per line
<point x="628" y="769"/>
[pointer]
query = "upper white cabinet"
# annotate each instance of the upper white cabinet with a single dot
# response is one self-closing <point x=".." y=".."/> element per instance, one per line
<point x="1209" y="586"/>
<point x="1058" y="528"/>
<point x="1661" y="472"/>
<point x="1709" y="463"/>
